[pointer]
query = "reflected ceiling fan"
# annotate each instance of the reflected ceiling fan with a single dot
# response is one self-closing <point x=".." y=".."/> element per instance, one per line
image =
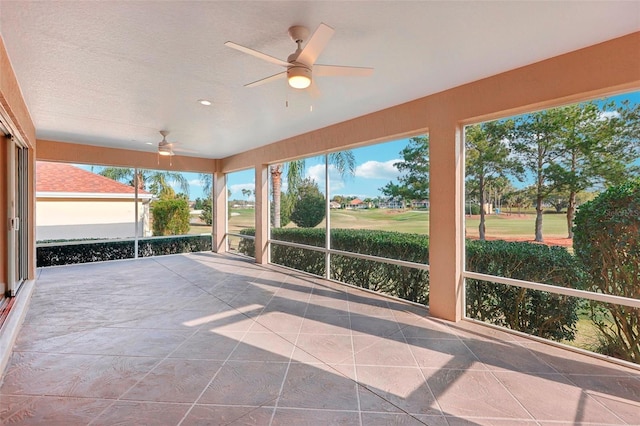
<point x="300" y="65"/>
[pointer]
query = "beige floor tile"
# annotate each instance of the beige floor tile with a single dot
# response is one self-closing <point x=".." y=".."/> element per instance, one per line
<point x="142" y="341"/>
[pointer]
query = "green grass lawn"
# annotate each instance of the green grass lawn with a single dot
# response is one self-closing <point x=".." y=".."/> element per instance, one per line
<point x="417" y="221"/>
<point x="241" y="219"/>
<point x="513" y="225"/>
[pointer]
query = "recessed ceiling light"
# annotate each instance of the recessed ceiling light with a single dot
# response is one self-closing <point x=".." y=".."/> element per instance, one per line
<point x="204" y="102"/>
<point x="149" y="143"/>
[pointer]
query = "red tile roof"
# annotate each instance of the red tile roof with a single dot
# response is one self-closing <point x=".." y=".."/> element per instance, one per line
<point x="61" y="177"/>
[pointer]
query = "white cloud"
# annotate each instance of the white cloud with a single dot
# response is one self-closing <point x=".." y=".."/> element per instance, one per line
<point x="378" y="170"/>
<point x="316" y="173"/>
<point x="607" y="115"/>
<point x="195" y="182"/>
<point x="240" y="186"/>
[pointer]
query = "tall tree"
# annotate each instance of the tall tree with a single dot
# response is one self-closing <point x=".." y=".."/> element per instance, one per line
<point x="596" y="149"/>
<point x="413" y="184"/>
<point x="207" y="183"/>
<point x="538" y="149"/>
<point x="343" y="161"/>
<point x="488" y="159"/>
<point x="246" y="192"/>
<point x="156" y="181"/>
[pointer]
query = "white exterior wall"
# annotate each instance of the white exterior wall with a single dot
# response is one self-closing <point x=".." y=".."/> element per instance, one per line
<point x="74" y="219"/>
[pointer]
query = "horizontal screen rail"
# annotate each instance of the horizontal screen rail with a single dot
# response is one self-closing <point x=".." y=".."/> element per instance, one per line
<point x="565" y="291"/>
<point x="247" y="237"/>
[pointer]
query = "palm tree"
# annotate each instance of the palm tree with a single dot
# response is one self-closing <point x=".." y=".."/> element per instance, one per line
<point x="156" y="181"/>
<point x="343" y="161"/>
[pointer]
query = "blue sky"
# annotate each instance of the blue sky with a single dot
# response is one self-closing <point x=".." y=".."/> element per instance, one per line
<point x="374" y="169"/>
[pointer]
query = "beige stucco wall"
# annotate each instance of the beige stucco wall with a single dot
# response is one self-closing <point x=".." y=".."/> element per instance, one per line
<point x="88" y="154"/>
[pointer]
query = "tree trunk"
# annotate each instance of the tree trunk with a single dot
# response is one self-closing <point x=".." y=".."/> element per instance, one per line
<point x="571" y="211"/>
<point x="276" y="185"/>
<point x="481" y="227"/>
<point x="539" y="219"/>
<point x="140" y="181"/>
<point x="571" y="207"/>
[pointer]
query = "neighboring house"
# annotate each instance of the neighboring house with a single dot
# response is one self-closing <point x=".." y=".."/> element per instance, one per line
<point x="391" y="204"/>
<point x="72" y="203"/>
<point x="419" y="204"/>
<point x="357" y="203"/>
<point x="334" y="205"/>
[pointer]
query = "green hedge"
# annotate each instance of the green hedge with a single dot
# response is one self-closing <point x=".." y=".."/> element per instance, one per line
<point x="540" y="313"/>
<point x="535" y="312"/>
<point x="607" y="243"/>
<point x="85" y="252"/>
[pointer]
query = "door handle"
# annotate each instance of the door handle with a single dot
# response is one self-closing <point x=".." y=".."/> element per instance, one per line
<point x="14" y="224"/>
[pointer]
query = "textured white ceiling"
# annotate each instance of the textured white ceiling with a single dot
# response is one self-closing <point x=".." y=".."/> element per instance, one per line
<point x="115" y="73"/>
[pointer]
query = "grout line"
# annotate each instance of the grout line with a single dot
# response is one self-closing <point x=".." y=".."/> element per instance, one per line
<point x="492" y="372"/>
<point x="228" y="356"/>
<point x="424" y="379"/>
<point x="353" y="360"/>
<point x="295" y="346"/>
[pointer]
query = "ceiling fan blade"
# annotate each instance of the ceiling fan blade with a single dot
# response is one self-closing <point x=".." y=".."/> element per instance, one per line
<point x="336" y="70"/>
<point x="257" y="54"/>
<point x="314" y="91"/>
<point x="316" y="44"/>
<point x="267" y="79"/>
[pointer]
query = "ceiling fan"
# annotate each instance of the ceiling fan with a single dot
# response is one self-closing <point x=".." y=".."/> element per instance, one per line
<point x="301" y="64"/>
<point x="165" y="148"/>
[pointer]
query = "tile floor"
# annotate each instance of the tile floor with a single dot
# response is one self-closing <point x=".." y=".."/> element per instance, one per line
<point x="204" y="339"/>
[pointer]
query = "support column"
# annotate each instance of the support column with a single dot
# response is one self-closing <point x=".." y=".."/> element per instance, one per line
<point x="262" y="213"/>
<point x="219" y="212"/>
<point x="446" y="220"/>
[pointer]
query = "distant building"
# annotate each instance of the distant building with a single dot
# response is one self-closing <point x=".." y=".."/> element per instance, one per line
<point x="72" y="203"/>
<point x="420" y="204"/>
<point x="391" y="204"/>
<point x="357" y="204"/>
<point x="334" y="205"/>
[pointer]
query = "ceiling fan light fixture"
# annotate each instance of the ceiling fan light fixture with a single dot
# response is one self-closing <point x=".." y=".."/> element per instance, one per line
<point x="164" y="150"/>
<point x="299" y="77"/>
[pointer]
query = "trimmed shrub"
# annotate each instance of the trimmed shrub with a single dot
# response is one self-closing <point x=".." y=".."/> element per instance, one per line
<point x="309" y="207"/>
<point x="540" y="313"/>
<point x="85" y="252"/>
<point x="170" y="217"/>
<point x="536" y="312"/>
<point x="607" y="243"/>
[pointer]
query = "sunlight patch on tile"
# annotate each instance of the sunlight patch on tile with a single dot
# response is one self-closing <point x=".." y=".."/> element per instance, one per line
<point x="222" y="315"/>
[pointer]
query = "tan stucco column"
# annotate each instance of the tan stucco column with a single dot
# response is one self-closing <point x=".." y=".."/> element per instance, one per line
<point x="262" y="213"/>
<point x="219" y="211"/>
<point x="446" y="233"/>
